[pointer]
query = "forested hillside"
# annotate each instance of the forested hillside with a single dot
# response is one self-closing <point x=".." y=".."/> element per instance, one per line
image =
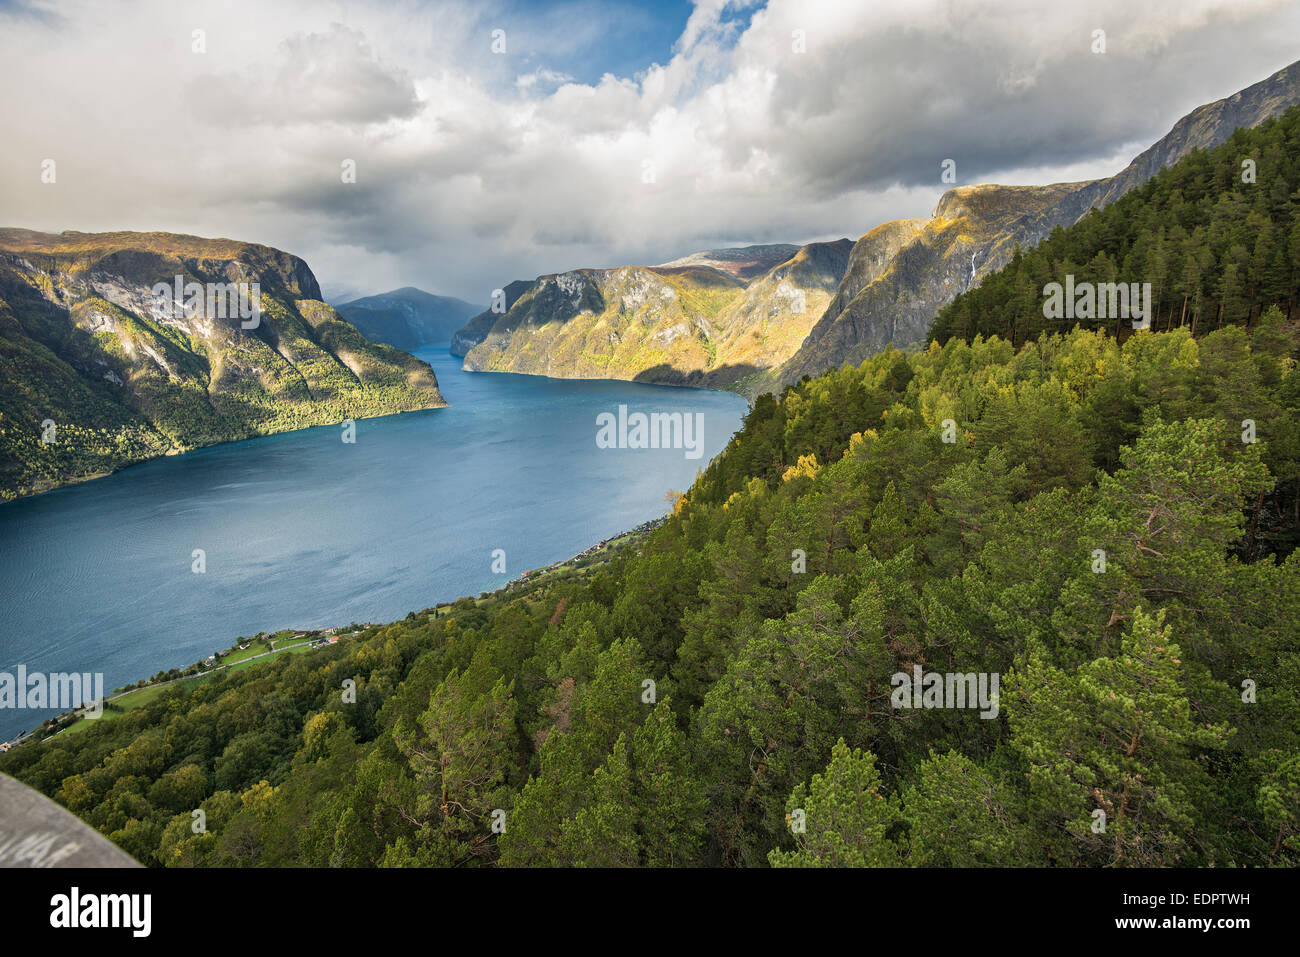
<point x="1158" y="685"/>
<point x="1217" y="236"/>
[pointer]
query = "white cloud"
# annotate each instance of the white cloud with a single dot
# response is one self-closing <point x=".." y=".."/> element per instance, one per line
<point x="329" y="77"/>
<point x="477" y="168"/>
<point x="541" y="78"/>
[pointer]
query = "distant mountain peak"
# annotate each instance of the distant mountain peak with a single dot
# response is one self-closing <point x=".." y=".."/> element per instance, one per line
<point x="409" y="317"/>
<point x="743" y="262"/>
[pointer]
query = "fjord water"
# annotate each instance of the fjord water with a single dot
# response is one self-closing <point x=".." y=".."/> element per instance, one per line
<point x="301" y="530"/>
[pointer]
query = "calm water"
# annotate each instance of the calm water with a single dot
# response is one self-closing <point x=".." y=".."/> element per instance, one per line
<point x="301" y="530"/>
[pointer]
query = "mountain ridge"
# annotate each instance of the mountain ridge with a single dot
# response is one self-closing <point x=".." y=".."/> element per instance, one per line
<point x="712" y="318"/>
<point x="923" y="273"/>
<point x="97" y="376"/>
<point x="407" y="318"/>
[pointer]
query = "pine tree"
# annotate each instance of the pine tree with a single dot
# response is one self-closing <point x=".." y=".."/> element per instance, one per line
<point x="1114" y="738"/>
<point x="669" y="797"/>
<point x="842" y="820"/>
<point x="960" y="814"/>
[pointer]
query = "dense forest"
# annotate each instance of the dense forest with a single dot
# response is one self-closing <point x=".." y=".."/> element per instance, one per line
<point x="1217" y="235"/>
<point x="1106" y="527"/>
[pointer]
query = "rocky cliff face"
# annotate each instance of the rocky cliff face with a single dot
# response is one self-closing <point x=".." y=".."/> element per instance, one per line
<point x="900" y="274"/>
<point x="477" y="329"/>
<point x="95" y="375"/>
<point x="711" y="319"/>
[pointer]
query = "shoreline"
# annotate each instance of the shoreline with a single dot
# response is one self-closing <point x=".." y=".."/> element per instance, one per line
<point x="83" y="479"/>
<point x="597" y="553"/>
<point x="19" y="496"/>
<point x="317" y="638"/>
<point x="578" y="378"/>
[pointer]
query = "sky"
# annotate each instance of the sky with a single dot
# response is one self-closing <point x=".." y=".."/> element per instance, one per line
<point x="495" y="141"/>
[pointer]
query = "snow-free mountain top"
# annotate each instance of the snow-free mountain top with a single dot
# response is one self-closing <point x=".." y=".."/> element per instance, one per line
<point x="713" y="318"/>
<point x="753" y="318"/>
<point x="408" y="318"/>
<point x="901" y="274"/>
<point x="743" y="262"/>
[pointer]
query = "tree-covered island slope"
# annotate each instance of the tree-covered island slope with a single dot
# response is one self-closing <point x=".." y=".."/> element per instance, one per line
<point x="83" y="347"/>
<point x="1100" y="533"/>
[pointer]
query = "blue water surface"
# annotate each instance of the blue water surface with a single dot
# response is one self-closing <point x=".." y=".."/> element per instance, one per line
<point x="301" y="530"/>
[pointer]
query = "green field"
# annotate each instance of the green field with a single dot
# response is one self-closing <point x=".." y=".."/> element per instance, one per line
<point x="236" y="661"/>
<point x="255" y="648"/>
<point x="132" y="699"/>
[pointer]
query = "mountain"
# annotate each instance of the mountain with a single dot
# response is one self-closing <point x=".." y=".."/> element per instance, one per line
<point x="744" y="262"/>
<point x="477" y="329"/>
<point x="98" y="372"/>
<point x="711" y="319"/>
<point x="1203" y="250"/>
<point x="900" y="274"/>
<point x="407" y="318"/>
